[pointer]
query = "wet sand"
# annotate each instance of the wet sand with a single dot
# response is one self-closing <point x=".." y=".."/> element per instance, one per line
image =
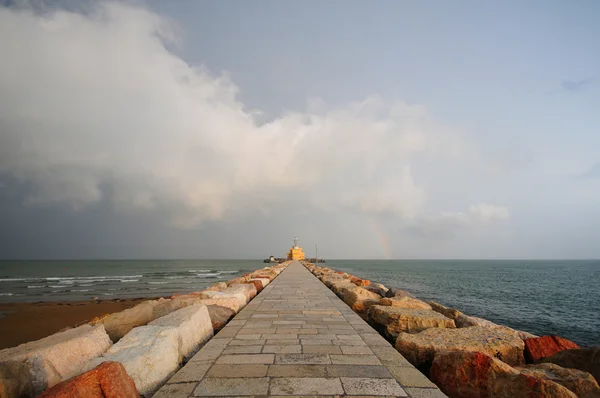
<point x="23" y="322"/>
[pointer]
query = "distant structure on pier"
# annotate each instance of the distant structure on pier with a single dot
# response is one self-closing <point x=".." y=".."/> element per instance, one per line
<point x="295" y="252"/>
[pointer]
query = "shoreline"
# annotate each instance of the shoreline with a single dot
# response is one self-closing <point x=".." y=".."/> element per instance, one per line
<point x="22" y="322"/>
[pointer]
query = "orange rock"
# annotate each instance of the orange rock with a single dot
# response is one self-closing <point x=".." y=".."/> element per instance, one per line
<point x="537" y="348"/>
<point x="257" y="284"/>
<point x="360" y="282"/>
<point x="475" y="374"/>
<point x="108" y="379"/>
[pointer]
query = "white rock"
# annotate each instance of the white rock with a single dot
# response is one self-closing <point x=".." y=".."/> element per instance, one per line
<point x="119" y="324"/>
<point x="238" y="296"/>
<point x="193" y="325"/>
<point x="150" y="355"/>
<point x="247" y="289"/>
<point x="30" y="368"/>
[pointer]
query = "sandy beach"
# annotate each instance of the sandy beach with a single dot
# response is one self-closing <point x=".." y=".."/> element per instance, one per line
<point x="23" y="322"/>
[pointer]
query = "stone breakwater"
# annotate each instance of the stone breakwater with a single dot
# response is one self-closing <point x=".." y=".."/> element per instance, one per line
<point x="467" y="356"/>
<point x="128" y="353"/>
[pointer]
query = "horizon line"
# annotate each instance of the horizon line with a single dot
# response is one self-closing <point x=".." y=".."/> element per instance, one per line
<point x="331" y="259"/>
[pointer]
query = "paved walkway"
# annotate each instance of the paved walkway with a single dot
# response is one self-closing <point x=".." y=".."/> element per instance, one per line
<point x="297" y="338"/>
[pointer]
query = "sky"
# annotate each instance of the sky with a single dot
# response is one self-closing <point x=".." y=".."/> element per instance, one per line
<point x="223" y="129"/>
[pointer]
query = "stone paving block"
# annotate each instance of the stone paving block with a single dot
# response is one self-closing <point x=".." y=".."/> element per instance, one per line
<point x="410" y="377"/>
<point x="248" y="337"/>
<point x="225" y="333"/>
<point x="314" y="326"/>
<point x="356" y="350"/>
<point x="374" y="340"/>
<point x="179" y="390"/>
<point x="217" y="343"/>
<point x="297" y="371"/>
<point x="207" y="354"/>
<point x="389" y="356"/>
<point x="191" y="372"/>
<point x="321" y="349"/>
<point x="348" y="337"/>
<point x="373" y="387"/>
<point x="358" y="371"/>
<point x="243" y="349"/>
<point x="349" y="359"/>
<point x="282" y="349"/>
<point x="316" y="342"/>
<point x="306" y="386"/>
<point x="246" y="331"/>
<point x="338" y="332"/>
<point x="241" y="359"/>
<point x="280" y="336"/>
<point x="324" y="336"/>
<point x="283" y="342"/>
<point x="358" y="343"/>
<point x="237" y="322"/>
<point x="222" y="387"/>
<point x="237" y="371"/>
<point x="288" y="322"/>
<point x="291" y="359"/>
<point x="425" y="392"/>
<point x="257" y="325"/>
<point x="247" y="342"/>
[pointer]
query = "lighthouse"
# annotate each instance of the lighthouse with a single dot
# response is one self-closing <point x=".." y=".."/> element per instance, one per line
<point x="295" y="252"/>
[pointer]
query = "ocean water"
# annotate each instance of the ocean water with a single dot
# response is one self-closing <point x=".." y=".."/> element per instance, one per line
<point x="32" y="281"/>
<point x="541" y="297"/>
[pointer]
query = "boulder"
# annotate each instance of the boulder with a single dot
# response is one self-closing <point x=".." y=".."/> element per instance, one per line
<point x="167" y="306"/>
<point x="475" y="374"/>
<point x="581" y="383"/>
<point x="330" y="279"/>
<point x="150" y="355"/>
<point x="240" y="297"/>
<point x="193" y="325"/>
<point x="448" y="312"/>
<point x="463" y="321"/>
<point x="396" y="320"/>
<point x="377" y="288"/>
<point x="586" y="359"/>
<point x="357" y="298"/>
<point x="340" y="285"/>
<point x="247" y="289"/>
<point x="109" y="380"/>
<point x="500" y="343"/>
<point x="119" y="324"/>
<point x="360" y="282"/>
<point x="525" y="335"/>
<point x="219" y="316"/>
<point x="181" y="301"/>
<point x="540" y="347"/>
<point x="259" y="283"/>
<point x="395" y="292"/>
<point x="30" y="368"/>
<point x="218" y="286"/>
<point x="237" y="280"/>
<point x="404" y="302"/>
<point x="264" y="273"/>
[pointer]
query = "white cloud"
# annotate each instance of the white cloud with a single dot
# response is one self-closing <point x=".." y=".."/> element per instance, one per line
<point x="448" y="224"/>
<point x="94" y="107"/>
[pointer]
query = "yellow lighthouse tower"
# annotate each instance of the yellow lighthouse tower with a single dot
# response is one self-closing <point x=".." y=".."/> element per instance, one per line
<point x="295" y="252"/>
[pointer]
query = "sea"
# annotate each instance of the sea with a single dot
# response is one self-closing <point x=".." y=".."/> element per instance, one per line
<point x="540" y="297"/>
